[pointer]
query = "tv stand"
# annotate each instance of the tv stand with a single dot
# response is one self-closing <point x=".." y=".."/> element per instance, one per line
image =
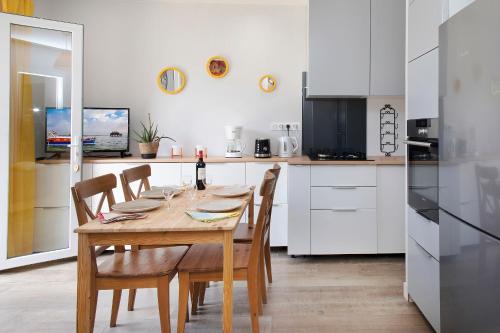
<point x="124" y="154"/>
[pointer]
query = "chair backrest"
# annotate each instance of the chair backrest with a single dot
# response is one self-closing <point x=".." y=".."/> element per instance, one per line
<point x="266" y="191"/>
<point x="128" y="176"/>
<point x="276" y="172"/>
<point x="103" y="185"/>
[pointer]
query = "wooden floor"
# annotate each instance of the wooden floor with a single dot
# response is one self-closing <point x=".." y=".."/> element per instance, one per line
<point x="311" y="294"/>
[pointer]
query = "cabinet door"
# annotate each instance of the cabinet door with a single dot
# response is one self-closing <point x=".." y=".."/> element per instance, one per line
<point x="423" y="282"/>
<point x="52" y="185"/>
<point x="255" y="174"/>
<point x="343" y="232"/>
<point x="387" y="47"/>
<point x="299" y="219"/>
<point x="424" y="18"/>
<point x="391" y="209"/>
<point x="457" y="5"/>
<point x="339" y="47"/>
<point x="165" y="174"/>
<point x="423" y="86"/>
<point x="279" y="224"/>
<point x="221" y="173"/>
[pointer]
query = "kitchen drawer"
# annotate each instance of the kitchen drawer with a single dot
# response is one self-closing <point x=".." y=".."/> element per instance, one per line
<point x="343" y="232"/>
<point x="343" y="175"/>
<point x="423" y="282"/>
<point x="255" y="174"/>
<point x="424" y="232"/>
<point x="343" y="197"/>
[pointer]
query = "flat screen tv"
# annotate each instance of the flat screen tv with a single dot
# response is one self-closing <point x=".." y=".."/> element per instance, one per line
<point x="104" y="129"/>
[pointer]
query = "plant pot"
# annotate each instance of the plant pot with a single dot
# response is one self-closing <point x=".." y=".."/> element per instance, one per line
<point x="149" y="150"/>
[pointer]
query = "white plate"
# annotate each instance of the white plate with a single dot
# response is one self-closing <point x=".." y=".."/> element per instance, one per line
<point x="136" y="206"/>
<point x="232" y="191"/>
<point x="217" y="206"/>
<point x="156" y="192"/>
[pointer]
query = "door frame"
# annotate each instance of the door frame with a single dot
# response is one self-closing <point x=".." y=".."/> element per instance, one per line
<point x="75" y="165"/>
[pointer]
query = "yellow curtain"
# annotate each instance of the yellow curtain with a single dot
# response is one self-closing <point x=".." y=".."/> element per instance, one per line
<point x="22" y="144"/>
<point x="22" y="7"/>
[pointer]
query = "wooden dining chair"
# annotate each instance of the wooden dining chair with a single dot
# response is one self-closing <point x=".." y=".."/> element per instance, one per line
<point x="244" y="234"/>
<point x="150" y="268"/>
<point x="204" y="262"/>
<point x="129" y="176"/>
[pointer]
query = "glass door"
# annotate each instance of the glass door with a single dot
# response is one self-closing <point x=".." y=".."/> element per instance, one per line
<point x="40" y="138"/>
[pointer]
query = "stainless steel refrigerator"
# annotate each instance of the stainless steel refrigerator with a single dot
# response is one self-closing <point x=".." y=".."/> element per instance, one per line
<point x="469" y="169"/>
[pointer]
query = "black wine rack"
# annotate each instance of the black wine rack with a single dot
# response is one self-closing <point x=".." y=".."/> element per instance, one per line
<point x="388" y="130"/>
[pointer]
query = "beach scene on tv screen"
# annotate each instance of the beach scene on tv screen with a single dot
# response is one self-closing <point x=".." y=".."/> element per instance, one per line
<point x="105" y="129"/>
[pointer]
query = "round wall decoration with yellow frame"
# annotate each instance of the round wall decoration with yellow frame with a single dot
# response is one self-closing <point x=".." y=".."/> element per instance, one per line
<point x="217" y="67"/>
<point x="171" y="80"/>
<point x="268" y="83"/>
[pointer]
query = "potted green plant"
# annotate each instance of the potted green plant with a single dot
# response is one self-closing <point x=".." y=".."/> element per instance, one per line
<point x="149" y="140"/>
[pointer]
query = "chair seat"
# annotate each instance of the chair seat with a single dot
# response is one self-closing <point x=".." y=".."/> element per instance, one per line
<point x="243" y="233"/>
<point x="209" y="258"/>
<point x="143" y="263"/>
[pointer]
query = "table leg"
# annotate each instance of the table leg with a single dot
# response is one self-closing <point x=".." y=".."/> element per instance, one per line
<point x="251" y="206"/>
<point x="84" y="285"/>
<point x="227" y="323"/>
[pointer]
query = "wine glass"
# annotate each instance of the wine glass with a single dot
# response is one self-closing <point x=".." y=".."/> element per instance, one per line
<point x="187" y="182"/>
<point x="207" y="181"/>
<point x="168" y="193"/>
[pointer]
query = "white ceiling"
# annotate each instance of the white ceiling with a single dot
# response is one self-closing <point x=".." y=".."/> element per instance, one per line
<point x="235" y="2"/>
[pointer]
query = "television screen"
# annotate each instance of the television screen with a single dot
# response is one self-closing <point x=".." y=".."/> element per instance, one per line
<point x="58" y="129"/>
<point x="104" y="130"/>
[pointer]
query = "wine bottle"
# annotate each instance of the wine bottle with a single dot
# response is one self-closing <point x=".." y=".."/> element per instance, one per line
<point x="201" y="172"/>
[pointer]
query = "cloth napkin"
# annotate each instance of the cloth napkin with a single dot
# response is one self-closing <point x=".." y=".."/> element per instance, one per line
<point x="116" y="217"/>
<point x="210" y="217"/>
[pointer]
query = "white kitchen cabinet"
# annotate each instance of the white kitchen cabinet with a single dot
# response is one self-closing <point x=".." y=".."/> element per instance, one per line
<point x="423" y="282"/>
<point x="51" y="229"/>
<point x="424" y="231"/>
<point x="423" y="86"/>
<point x="221" y="173"/>
<point x="299" y="209"/>
<point x="424" y="18"/>
<point x="339" y="48"/>
<point x="255" y="174"/>
<point x="338" y="197"/>
<point x="387" y="47"/>
<point x="279" y="224"/>
<point x="343" y="175"/>
<point x="350" y="231"/>
<point x="52" y="185"/>
<point x="391" y="208"/>
<point x="165" y="174"/>
<point x="454" y="6"/>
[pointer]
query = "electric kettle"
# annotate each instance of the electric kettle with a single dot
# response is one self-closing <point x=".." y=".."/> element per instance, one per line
<point x="287" y="146"/>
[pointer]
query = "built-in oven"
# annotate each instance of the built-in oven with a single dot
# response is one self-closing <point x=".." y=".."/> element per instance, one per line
<point x="422" y="160"/>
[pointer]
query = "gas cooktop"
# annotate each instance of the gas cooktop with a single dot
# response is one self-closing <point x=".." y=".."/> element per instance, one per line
<point x="327" y="155"/>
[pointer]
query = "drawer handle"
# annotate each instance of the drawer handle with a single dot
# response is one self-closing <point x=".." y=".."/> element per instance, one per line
<point x="343" y="187"/>
<point x="344" y="209"/>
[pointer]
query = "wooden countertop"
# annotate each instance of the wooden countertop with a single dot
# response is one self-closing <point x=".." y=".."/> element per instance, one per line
<point x="297" y="160"/>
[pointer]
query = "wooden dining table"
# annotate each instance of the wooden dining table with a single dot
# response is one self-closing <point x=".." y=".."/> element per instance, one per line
<point x="163" y="226"/>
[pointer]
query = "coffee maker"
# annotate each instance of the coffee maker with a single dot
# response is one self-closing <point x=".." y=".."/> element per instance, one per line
<point x="234" y="147"/>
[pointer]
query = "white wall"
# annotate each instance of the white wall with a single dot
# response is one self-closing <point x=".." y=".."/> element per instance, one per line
<point x="128" y="42"/>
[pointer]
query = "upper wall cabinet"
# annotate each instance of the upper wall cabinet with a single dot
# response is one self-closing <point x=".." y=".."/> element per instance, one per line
<point x="424" y="18"/>
<point x="387" y="47"/>
<point x="339" y="48"/>
<point x="457" y="5"/>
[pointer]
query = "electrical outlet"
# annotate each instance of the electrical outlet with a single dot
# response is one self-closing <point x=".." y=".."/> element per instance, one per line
<point x="281" y="126"/>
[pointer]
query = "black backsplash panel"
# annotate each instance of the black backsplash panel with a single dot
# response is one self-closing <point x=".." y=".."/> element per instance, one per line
<point x="333" y="124"/>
